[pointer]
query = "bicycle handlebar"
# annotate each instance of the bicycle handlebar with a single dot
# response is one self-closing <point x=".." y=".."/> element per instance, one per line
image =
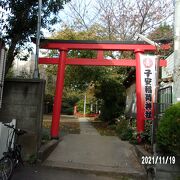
<point x="9" y="126"/>
<point x="17" y="131"/>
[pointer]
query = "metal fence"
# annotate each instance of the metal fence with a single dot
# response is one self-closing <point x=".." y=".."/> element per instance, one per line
<point x="164" y="99"/>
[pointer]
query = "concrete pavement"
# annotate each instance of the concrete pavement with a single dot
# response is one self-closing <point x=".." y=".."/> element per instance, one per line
<point x="91" y="152"/>
<point x="48" y="173"/>
<point x="86" y="128"/>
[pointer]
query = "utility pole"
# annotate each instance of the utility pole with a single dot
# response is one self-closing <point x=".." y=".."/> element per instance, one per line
<point x="36" y="69"/>
<point x="176" y="73"/>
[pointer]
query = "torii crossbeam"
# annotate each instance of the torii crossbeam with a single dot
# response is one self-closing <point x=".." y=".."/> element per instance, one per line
<point x="138" y="47"/>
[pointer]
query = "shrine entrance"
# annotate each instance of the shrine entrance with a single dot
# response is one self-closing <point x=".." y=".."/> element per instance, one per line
<point x="137" y="47"/>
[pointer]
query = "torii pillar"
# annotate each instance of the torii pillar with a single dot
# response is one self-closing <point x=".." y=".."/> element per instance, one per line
<point x="58" y="95"/>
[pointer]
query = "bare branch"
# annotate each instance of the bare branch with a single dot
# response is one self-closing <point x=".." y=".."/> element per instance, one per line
<point x="128" y="17"/>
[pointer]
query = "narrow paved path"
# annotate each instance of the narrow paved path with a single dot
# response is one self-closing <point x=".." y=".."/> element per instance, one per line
<point x="89" y="151"/>
<point x="86" y="128"/>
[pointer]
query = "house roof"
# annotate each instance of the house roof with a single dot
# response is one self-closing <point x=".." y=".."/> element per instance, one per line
<point x="42" y="41"/>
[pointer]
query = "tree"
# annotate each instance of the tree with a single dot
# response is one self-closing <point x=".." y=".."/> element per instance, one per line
<point x="19" y="22"/>
<point x="81" y="14"/>
<point x="120" y="19"/>
<point x="112" y="94"/>
<point x="123" y="19"/>
<point x="164" y="31"/>
<point x="109" y="20"/>
<point x="79" y="77"/>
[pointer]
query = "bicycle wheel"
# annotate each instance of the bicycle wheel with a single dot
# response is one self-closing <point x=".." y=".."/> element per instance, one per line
<point x="6" y="167"/>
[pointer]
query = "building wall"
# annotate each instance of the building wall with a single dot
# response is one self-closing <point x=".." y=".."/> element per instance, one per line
<point x="23" y="101"/>
<point x="168" y="70"/>
<point x="170" y="77"/>
<point x="130" y="110"/>
<point x="176" y="74"/>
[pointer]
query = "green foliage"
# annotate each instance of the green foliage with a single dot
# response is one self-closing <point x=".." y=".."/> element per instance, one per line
<point x="51" y="72"/>
<point x="48" y="103"/>
<point x="79" y="77"/>
<point x="168" y="134"/>
<point x="126" y="134"/>
<point x="67" y="110"/>
<point x="147" y="134"/>
<point x="133" y="140"/>
<point x="68" y="104"/>
<point x="45" y="136"/>
<point x="19" y="21"/>
<point x="123" y="130"/>
<point x="164" y="31"/>
<point x="32" y="159"/>
<point x="48" y="98"/>
<point x="104" y="128"/>
<point x="71" y="34"/>
<point x="10" y="73"/>
<point x="112" y="94"/>
<point x="80" y="106"/>
<point x="107" y="81"/>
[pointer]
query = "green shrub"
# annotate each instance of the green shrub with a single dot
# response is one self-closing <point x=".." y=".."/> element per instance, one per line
<point x="126" y="134"/>
<point x="123" y="130"/>
<point x="168" y="134"/>
<point x="45" y="136"/>
<point x="123" y="124"/>
<point x="133" y="140"/>
<point x="147" y="134"/>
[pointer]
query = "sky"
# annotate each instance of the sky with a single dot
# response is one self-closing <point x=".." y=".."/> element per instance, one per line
<point x="65" y="14"/>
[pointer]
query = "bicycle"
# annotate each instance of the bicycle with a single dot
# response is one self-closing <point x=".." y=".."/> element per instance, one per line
<point x="12" y="157"/>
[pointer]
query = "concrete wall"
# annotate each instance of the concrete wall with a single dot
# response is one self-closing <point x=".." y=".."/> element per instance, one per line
<point x="23" y="101"/>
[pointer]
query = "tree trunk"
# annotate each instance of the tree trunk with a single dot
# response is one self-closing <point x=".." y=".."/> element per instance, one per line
<point x="10" y="56"/>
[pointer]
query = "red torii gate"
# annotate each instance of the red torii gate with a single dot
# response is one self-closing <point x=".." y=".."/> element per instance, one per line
<point x="138" y="47"/>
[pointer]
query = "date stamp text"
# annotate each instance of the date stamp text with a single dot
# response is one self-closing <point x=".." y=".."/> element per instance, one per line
<point x="149" y="160"/>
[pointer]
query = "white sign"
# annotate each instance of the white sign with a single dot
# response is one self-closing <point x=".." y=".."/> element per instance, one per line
<point x="148" y="84"/>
